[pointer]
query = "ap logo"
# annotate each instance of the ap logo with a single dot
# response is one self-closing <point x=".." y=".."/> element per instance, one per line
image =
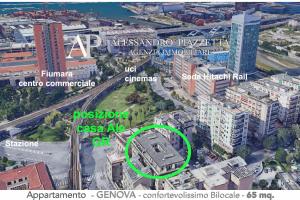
<point x="85" y="50"/>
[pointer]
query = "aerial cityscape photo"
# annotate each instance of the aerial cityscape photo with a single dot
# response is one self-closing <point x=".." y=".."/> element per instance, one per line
<point x="150" y="96"/>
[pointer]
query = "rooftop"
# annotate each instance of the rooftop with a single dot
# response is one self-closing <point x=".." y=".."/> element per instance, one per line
<point x="183" y="181"/>
<point x="158" y="148"/>
<point x="214" y="175"/>
<point x="286" y="77"/>
<point x="129" y="30"/>
<point x="225" y="103"/>
<point x="273" y="85"/>
<point x="247" y="89"/>
<point x="25" y="61"/>
<point x="289" y="181"/>
<point x="133" y="175"/>
<point x="36" y="175"/>
<point x="245" y="17"/>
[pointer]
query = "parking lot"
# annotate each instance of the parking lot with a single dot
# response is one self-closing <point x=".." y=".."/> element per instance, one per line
<point x="56" y="155"/>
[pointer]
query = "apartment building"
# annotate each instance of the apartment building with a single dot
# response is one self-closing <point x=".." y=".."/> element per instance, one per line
<point x="179" y="120"/>
<point x="156" y="152"/>
<point x="206" y="84"/>
<point x="263" y="110"/>
<point x="116" y="158"/>
<point x="114" y="166"/>
<point x="49" y="44"/>
<point x="287" y="96"/>
<point x="224" y="120"/>
<point x="132" y="180"/>
<point x="231" y="174"/>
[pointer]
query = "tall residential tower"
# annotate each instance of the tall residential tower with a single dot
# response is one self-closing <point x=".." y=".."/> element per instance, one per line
<point x="243" y="43"/>
<point x="49" y="45"/>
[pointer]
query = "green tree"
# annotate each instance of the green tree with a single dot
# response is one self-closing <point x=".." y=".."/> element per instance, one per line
<point x="130" y="119"/>
<point x="33" y="93"/>
<point x="297" y="145"/>
<point x="4" y="159"/>
<point x="263" y="184"/>
<point x="160" y="105"/>
<point x="284" y="137"/>
<point x="274" y="185"/>
<point x="60" y="125"/>
<point x="289" y="158"/>
<point x="296" y="130"/>
<point x="136" y="114"/>
<point x="24" y="93"/>
<point x="281" y="155"/>
<point x="140" y="86"/>
<point x="51" y="119"/>
<point x="2" y="167"/>
<point x="270" y="142"/>
<point x="170" y="105"/>
<point x="243" y="151"/>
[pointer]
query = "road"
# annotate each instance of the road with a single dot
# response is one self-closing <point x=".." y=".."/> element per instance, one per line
<point x="256" y="158"/>
<point x="160" y="90"/>
<point x="93" y="164"/>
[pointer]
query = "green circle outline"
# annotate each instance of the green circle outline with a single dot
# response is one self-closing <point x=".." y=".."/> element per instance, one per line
<point x="166" y="176"/>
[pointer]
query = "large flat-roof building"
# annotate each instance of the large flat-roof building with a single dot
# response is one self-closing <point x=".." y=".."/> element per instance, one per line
<point x="132" y="180"/>
<point x="151" y="153"/>
<point x="287" y="96"/>
<point x="116" y="39"/>
<point x="157" y="152"/>
<point x="23" y="66"/>
<point x="207" y="85"/>
<point x="226" y="175"/>
<point x="287" y="80"/>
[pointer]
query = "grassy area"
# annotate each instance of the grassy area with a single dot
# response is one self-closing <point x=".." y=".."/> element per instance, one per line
<point x="116" y="100"/>
<point x="266" y="68"/>
<point x="141" y="113"/>
<point x="44" y="134"/>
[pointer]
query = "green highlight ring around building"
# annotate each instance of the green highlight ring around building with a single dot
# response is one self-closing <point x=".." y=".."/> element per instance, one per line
<point x="166" y="176"/>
